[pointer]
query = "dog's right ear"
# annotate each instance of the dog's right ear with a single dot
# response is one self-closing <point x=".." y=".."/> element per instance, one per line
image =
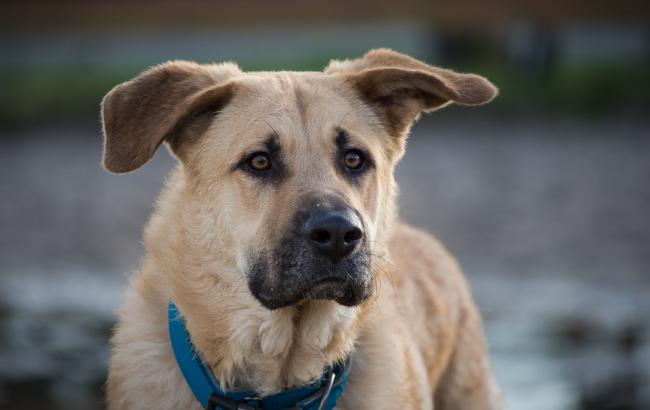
<point x="398" y="87"/>
<point x="162" y="104"/>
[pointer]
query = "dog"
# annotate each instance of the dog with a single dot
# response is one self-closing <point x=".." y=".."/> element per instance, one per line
<point x="277" y="240"/>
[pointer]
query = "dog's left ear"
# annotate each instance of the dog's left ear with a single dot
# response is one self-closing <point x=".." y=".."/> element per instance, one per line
<point x="398" y="87"/>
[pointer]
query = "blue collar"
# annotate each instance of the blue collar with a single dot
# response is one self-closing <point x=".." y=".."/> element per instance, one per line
<point x="320" y="395"/>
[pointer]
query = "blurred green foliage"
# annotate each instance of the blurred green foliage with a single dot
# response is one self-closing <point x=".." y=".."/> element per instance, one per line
<point x="34" y="94"/>
<point x="37" y="94"/>
<point x="579" y="87"/>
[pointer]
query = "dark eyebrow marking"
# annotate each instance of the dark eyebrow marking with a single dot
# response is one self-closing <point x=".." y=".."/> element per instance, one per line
<point x="342" y="138"/>
<point x="272" y="144"/>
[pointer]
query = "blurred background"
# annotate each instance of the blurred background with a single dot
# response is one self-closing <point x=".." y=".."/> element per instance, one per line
<point x="544" y="195"/>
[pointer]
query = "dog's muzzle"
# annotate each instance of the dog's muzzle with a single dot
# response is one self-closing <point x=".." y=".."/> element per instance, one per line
<point x="325" y="256"/>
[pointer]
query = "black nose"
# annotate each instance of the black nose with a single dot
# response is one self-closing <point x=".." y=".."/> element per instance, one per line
<point x="334" y="233"/>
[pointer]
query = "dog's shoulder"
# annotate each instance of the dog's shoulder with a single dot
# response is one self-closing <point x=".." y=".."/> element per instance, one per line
<point x="417" y="255"/>
<point x="432" y="295"/>
<point x="430" y="286"/>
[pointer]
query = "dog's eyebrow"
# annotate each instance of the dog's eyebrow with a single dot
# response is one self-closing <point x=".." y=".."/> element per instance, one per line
<point x="272" y="144"/>
<point x="342" y="138"/>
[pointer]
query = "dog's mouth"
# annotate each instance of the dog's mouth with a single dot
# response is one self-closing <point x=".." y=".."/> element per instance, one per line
<point x="344" y="292"/>
<point x="348" y="283"/>
<point x="326" y="288"/>
<point x="327" y="281"/>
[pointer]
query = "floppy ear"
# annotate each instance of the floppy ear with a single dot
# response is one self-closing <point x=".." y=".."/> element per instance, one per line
<point x="162" y="104"/>
<point x="398" y="87"/>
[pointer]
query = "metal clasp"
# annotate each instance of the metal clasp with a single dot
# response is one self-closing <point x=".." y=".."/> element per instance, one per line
<point x="328" y="390"/>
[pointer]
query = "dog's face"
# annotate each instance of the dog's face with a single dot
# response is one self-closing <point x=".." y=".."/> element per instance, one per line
<point x="296" y="175"/>
<point x="291" y="172"/>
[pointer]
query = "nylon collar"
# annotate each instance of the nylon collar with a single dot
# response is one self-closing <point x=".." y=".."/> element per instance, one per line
<point x="320" y="395"/>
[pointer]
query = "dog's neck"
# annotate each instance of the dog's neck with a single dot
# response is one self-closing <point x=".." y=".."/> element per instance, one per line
<point x="249" y="347"/>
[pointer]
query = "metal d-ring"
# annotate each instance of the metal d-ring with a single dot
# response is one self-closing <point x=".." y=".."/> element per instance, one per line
<point x="328" y="390"/>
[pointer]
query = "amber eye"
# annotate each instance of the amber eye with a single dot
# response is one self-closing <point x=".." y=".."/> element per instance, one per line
<point x="353" y="159"/>
<point x="260" y="162"/>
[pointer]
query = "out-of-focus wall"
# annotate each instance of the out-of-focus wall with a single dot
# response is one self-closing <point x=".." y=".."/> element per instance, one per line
<point x="59" y="58"/>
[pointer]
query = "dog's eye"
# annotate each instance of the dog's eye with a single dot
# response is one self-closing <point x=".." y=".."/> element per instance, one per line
<point x="260" y="162"/>
<point x="353" y="159"/>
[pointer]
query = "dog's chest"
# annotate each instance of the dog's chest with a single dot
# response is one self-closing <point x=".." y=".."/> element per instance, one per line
<point x="285" y="347"/>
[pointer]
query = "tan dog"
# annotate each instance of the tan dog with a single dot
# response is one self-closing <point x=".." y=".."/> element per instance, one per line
<point x="276" y="236"/>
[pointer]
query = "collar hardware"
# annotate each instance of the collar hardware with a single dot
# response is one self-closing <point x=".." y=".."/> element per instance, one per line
<point x="221" y="402"/>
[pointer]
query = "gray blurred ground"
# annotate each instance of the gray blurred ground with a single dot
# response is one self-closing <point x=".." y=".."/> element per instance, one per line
<point x="549" y="218"/>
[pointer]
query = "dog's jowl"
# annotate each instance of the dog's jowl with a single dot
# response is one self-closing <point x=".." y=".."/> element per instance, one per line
<point x="277" y="273"/>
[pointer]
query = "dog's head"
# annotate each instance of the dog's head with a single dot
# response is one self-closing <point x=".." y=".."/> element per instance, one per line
<point x="291" y="172"/>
